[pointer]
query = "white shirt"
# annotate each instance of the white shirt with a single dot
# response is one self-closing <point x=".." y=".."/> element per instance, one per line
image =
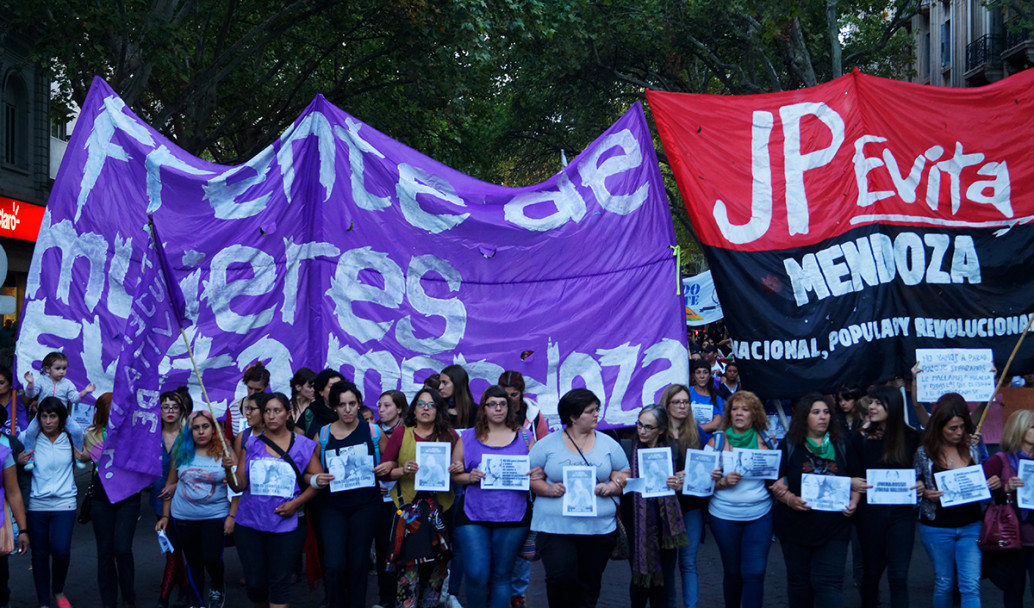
<point x="53" y="484"/>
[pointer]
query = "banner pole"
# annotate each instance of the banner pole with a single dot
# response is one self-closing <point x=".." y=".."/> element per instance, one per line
<point x="1005" y="372"/>
<point x="204" y="393"/>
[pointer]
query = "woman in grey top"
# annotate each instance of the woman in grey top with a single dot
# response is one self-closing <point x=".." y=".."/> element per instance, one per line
<point x="575" y="550"/>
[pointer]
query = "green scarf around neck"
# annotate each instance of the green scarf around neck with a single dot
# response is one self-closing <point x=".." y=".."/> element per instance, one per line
<point x="747" y="439"/>
<point x="823" y="450"/>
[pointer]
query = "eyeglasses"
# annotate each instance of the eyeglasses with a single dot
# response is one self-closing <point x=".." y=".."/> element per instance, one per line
<point x="170" y="408"/>
<point x="592" y="412"/>
<point x="645" y="427"/>
<point x="250" y="408"/>
<point x="496" y="405"/>
<point x="680" y="402"/>
<point x="427" y="405"/>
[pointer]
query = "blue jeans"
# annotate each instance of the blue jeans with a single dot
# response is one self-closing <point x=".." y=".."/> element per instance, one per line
<point x="488" y="557"/>
<point x="522" y="577"/>
<point x="744" y="547"/>
<point x="50" y="537"/>
<point x="951" y="549"/>
<point x="688" y="560"/>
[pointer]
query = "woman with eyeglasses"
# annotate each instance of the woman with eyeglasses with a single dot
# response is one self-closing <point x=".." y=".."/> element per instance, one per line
<point x="950" y="534"/>
<point x="420" y="554"/>
<point x="656" y="529"/>
<point x="176" y="406"/>
<point x="348" y="513"/>
<point x="685" y="434"/>
<point x="491" y="523"/>
<point x="575" y="550"/>
<point x="741" y="509"/>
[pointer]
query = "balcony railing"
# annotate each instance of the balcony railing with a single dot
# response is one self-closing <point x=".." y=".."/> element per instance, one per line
<point x="984" y="50"/>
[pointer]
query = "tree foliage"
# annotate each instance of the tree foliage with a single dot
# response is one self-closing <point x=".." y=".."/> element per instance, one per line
<point x="496" y="89"/>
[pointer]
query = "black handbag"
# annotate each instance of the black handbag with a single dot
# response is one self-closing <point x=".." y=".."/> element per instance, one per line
<point x="85" y="514"/>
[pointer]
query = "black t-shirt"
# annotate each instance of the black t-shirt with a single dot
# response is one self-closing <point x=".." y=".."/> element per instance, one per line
<point x="957" y="516"/>
<point x="809" y="528"/>
<point x="348" y="499"/>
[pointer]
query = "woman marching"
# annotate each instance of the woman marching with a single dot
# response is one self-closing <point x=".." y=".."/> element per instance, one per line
<point x="685" y="434"/>
<point x="114" y="524"/>
<point x="199" y="510"/>
<point x="52" y="502"/>
<point x="656" y="530"/>
<point x="575" y="550"/>
<point x="420" y="553"/>
<point x="176" y="406"/>
<point x="740" y="509"/>
<point x="887" y="532"/>
<point x="950" y="534"/>
<point x="703" y="394"/>
<point x="1009" y="570"/>
<point x="491" y="524"/>
<point x="814" y="542"/>
<point x="280" y="472"/>
<point x="349" y="516"/>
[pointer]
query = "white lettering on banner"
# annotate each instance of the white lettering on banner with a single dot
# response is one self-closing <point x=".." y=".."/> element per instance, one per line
<point x="866" y="332"/>
<point x="357" y="146"/>
<point x="295" y="255"/>
<point x="222" y="195"/>
<point x="10" y="221"/>
<point x="156" y="159"/>
<point x="995" y="191"/>
<point x="315" y="123"/>
<point x="874" y="260"/>
<point x="223" y="286"/>
<point x="90" y="246"/>
<point x="595" y="174"/>
<point x="452" y="309"/>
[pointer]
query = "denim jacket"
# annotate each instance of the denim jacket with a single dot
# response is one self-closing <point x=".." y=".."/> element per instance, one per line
<point x="924" y="473"/>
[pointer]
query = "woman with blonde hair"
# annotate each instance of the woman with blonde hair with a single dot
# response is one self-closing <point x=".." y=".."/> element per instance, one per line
<point x="741" y="509"/>
<point x="685" y="434"/>
<point x="1009" y="570"/>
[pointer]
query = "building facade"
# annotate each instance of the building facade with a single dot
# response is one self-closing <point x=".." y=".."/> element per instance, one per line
<point x="25" y="159"/>
<point x="963" y="43"/>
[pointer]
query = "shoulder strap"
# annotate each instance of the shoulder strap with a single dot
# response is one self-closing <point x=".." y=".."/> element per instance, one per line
<point x="71" y="448"/>
<point x="324" y="439"/>
<point x="284" y="456"/>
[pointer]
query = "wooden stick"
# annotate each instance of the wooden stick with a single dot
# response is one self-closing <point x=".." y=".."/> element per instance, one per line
<point x="1005" y="372"/>
<point x="204" y="393"/>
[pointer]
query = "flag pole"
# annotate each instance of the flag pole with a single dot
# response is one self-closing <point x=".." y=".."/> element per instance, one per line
<point x="204" y="393"/>
<point x="1005" y="372"/>
<point x="197" y="373"/>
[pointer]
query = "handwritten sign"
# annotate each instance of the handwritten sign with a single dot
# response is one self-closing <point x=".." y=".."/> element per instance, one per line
<point x="966" y="371"/>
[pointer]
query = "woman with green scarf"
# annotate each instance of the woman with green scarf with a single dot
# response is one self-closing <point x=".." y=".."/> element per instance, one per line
<point x="655" y="527"/>
<point x="814" y="542"/>
<point x="740" y="509"/>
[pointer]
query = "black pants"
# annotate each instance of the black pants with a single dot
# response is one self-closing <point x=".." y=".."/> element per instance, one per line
<point x="815" y="574"/>
<point x="387" y="583"/>
<point x="574" y="566"/>
<point x="657" y="596"/>
<point x="1009" y="571"/>
<point x="347" y="535"/>
<point x="887" y="534"/>
<point x="113" y="528"/>
<point x="266" y="558"/>
<point x="202" y="542"/>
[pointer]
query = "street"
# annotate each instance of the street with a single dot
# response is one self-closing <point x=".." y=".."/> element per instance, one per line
<point x="81" y="587"/>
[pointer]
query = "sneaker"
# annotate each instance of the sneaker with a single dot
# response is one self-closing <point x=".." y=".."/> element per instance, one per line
<point x="216" y="599"/>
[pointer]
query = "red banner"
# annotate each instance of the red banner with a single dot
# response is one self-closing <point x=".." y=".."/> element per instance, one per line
<point x="848" y="224"/>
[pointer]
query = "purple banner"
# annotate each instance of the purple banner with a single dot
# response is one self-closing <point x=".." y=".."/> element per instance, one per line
<point x="338" y="246"/>
<point x="129" y="461"/>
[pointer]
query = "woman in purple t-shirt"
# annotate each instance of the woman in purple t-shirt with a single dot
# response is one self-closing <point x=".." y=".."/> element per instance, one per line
<point x="269" y="531"/>
<point x="491" y="523"/>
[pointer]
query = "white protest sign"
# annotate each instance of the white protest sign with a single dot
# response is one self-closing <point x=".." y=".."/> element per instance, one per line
<point x="966" y="371"/>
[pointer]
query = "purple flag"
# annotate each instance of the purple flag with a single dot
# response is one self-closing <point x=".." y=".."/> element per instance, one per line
<point x="340" y="247"/>
<point x="130" y="460"/>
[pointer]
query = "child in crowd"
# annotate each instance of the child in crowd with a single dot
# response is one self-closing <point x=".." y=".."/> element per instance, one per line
<point x="55" y="366"/>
